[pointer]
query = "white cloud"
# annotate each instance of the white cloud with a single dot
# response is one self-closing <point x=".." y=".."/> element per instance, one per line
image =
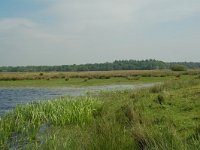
<point x="122" y="10"/>
<point x="170" y="10"/>
<point x="83" y="31"/>
<point x="21" y="31"/>
<point x="9" y="23"/>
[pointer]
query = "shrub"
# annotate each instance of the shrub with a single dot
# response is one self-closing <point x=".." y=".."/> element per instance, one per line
<point x="104" y="77"/>
<point x="85" y="80"/>
<point x="163" y="75"/>
<point x="62" y="77"/>
<point x="66" y="79"/>
<point x="41" y="74"/>
<point x="178" y="68"/>
<point x="13" y="79"/>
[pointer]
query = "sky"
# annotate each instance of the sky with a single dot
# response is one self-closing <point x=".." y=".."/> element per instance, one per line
<point x="64" y="32"/>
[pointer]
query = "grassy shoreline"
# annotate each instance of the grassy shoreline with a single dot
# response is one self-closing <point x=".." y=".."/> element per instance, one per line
<point x="162" y="117"/>
<point x="61" y="79"/>
<point x="81" y="82"/>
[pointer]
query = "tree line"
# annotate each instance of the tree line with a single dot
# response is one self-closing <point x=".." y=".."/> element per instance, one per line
<point x="149" y="64"/>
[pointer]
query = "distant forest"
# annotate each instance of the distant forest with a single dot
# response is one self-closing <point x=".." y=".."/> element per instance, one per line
<point x="149" y="64"/>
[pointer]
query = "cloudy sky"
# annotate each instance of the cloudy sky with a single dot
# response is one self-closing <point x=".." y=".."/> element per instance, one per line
<point x="56" y="32"/>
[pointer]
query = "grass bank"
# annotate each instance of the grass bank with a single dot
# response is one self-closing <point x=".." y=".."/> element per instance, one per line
<point x="13" y="76"/>
<point x="62" y="82"/>
<point x="166" y="116"/>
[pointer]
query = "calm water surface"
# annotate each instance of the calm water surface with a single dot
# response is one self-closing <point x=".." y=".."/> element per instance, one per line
<point x="10" y="97"/>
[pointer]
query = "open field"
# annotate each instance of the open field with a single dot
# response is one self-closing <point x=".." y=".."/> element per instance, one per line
<point x="93" y="74"/>
<point x="85" y="81"/>
<point x="50" y="79"/>
<point x="162" y="117"/>
<point x="80" y="82"/>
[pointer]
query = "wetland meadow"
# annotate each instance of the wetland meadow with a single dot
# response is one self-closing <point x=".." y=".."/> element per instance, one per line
<point x="99" y="75"/>
<point x="156" y="109"/>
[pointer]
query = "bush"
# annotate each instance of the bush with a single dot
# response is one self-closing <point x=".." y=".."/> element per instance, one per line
<point x="178" y="68"/>
<point x="163" y="75"/>
<point x="66" y="79"/>
<point x="85" y="80"/>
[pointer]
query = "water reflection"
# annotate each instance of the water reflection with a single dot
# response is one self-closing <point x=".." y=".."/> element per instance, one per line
<point x="10" y="97"/>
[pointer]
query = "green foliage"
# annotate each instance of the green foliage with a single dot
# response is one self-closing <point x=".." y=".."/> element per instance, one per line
<point x="25" y="121"/>
<point x="162" y="117"/>
<point x="66" y="79"/>
<point x="150" y="64"/>
<point x="178" y="68"/>
<point x="116" y="65"/>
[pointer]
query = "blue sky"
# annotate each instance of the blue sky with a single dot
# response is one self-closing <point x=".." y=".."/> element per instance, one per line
<point x="18" y="8"/>
<point x="56" y="32"/>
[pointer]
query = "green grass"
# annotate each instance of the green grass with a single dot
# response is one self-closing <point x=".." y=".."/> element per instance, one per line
<point x="21" y="126"/>
<point x="88" y="82"/>
<point x="166" y="116"/>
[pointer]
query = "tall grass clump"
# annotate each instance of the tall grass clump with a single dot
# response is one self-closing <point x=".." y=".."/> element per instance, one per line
<point x="178" y="68"/>
<point x="173" y="85"/>
<point x="22" y="125"/>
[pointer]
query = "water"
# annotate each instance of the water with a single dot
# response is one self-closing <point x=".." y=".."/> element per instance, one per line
<point x="10" y="97"/>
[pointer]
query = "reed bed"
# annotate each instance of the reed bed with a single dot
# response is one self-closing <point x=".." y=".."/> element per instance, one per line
<point x="93" y="74"/>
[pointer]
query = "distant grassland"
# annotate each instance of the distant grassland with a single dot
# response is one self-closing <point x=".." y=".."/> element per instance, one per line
<point x="163" y="117"/>
<point x="93" y="74"/>
<point x="50" y="79"/>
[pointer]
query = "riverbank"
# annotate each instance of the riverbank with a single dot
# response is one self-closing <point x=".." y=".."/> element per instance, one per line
<point x="82" y="82"/>
<point x="161" y="117"/>
<point x="10" y="97"/>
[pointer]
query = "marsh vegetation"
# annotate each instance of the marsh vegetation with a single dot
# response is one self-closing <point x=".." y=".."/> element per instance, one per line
<point x="165" y="116"/>
<point x="60" y="79"/>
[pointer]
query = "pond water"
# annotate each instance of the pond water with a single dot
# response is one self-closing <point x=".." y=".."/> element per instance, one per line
<point x="10" y="97"/>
